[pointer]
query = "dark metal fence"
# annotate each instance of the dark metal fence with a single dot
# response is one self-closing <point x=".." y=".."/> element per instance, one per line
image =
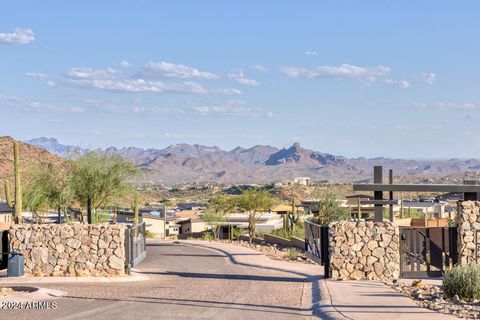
<point x="427" y="252"/>
<point x="4" y="249"/>
<point x="135" y="245"/>
<point x="316" y="245"/>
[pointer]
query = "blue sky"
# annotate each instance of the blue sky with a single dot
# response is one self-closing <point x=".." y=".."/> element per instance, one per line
<point x="356" y="78"/>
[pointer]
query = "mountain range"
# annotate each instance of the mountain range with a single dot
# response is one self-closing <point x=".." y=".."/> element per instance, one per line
<point x="184" y="163"/>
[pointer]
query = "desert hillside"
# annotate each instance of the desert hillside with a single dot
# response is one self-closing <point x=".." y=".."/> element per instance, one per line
<point x="29" y="156"/>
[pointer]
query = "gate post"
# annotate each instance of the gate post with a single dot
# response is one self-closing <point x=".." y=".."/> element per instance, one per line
<point x="378" y="195"/>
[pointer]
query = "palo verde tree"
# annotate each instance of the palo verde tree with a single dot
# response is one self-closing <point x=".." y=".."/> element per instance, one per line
<point x="97" y="179"/>
<point x="330" y="210"/>
<point x="48" y="189"/>
<point x="255" y="204"/>
<point x="216" y="212"/>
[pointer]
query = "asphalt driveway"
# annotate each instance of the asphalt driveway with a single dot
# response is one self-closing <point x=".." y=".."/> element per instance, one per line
<point x="193" y="280"/>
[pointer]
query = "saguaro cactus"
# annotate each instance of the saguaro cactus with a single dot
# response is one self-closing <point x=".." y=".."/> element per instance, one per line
<point x="293" y="217"/>
<point x="8" y="198"/>
<point x="18" y="189"/>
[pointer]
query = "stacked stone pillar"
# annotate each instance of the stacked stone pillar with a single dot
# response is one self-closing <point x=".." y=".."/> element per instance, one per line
<point x="364" y="250"/>
<point x="468" y="222"/>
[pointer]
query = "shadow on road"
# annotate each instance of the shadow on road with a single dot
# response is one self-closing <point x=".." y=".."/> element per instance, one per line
<point x="226" y="276"/>
<point x="314" y="280"/>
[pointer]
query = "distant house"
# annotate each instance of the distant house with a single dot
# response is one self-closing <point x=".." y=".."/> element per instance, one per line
<point x="195" y="206"/>
<point x="434" y="209"/>
<point x="282" y="209"/>
<point x="267" y="222"/>
<point x="156" y="224"/>
<point x="6" y="215"/>
<point x="192" y="225"/>
<point x="304" y="181"/>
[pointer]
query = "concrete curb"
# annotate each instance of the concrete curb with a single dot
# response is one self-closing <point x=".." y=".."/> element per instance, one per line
<point x="135" y="277"/>
<point x="324" y="307"/>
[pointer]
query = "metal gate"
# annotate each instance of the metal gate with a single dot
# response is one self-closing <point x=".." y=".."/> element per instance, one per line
<point x="427" y="252"/>
<point x="316" y="245"/>
<point x="4" y="249"/>
<point x="135" y="245"/>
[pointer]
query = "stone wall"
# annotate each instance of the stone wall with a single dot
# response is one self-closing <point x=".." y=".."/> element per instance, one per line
<point x="70" y="250"/>
<point x="468" y="222"/>
<point x="364" y="250"/>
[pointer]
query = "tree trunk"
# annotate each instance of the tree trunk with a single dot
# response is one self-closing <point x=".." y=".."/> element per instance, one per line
<point x="89" y="211"/>
<point x="59" y="217"/>
<point x="114" y="219"/>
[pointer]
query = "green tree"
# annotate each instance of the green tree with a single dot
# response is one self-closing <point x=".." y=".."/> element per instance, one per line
<point x="48" y="190"/>
<point x="255" y="204"/>
<point x="213" y="219"/>
<point x="330" y="209"/>
<point x="98" y="179"/>
<point x="216" y="212"/>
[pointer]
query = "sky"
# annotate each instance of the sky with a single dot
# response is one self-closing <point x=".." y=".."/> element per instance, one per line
<point x="353" y="78"/>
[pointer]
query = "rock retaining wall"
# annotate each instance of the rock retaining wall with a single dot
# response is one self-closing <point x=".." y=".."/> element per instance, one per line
<point x="364" y="250"/>
<point x="468" y="222"/>
<point x="70" y="250"/>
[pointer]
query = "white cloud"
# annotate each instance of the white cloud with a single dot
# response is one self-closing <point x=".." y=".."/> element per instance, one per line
<point x="173" y="71"/>
<point x="89" y="73"/>
<point x="125" y="64"/>
<point x="311" y="53"/>
<point x="429" y="77"/>
<point x="42" y="77"/>
<point x="227" y="91"/>
<point x="239" y="76"/>
<point x="108" y="79"/>
<point x="113" y="80"/>
<point x="259" y="67"/>
<point x="400" y="83"/>
<point x="138" y="85"/>
<point x="38" y="106"/>
<point x="448" y="105"/>
<point x="37" y="75"/>
<point x="344" y="71"/>
<point x="232" y="108"/>
<point x="18" y="36"/>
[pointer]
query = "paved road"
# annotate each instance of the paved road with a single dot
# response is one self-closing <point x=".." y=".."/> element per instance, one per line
<point x="193" y="280"/>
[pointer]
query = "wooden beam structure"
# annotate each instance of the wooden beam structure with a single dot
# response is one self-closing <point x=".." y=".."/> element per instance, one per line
<point x="470" y="191"/>
<point x="380" y="187"/>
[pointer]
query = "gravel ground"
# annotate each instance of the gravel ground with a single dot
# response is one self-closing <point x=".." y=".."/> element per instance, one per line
<point x="274" y="251"/>
<point x="432" y="297"/>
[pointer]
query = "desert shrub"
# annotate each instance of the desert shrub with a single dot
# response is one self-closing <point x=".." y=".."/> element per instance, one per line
<point x="236" y="232"/>
<point x="149" y="234"/>
<point x="208" y="236"/>
<point x="292" y="253"/>
<point x="298" y="232"/>
<point x="463" y="281"/>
